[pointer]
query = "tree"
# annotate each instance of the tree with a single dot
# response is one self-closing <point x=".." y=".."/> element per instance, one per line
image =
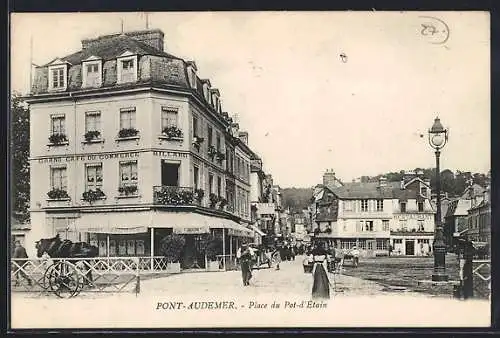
<point x="19" y="148"/>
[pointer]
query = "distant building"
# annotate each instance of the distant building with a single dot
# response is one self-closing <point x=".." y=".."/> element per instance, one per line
<point x="479" y="218"/>
<point x="376" y="215"/>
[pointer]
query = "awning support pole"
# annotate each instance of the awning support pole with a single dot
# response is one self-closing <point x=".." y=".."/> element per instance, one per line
<point x="107" y="245"/>
<point x="152" y="245"/>
<point x="224" y="248"/>
<point x="231" y="249"/>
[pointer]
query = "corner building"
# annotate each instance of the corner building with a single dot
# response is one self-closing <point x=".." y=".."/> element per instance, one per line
<point x="128" y="145"/>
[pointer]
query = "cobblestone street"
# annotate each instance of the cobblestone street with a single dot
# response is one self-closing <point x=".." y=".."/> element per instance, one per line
<point x="289" y="280"/>
<point x="195" y="299"/>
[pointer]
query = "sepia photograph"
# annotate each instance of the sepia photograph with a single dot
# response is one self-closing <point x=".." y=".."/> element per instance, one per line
<point x="274" y="169"/>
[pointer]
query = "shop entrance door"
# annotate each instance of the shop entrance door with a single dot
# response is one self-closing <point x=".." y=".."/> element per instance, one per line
<point x="410" y="247"/>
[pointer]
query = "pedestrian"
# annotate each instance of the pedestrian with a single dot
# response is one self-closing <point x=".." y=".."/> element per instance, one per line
<point x="245" y="258"/>
<point x="321" y="284"/>
<point x="21" y="256"/>
<point x="276" y="255"/>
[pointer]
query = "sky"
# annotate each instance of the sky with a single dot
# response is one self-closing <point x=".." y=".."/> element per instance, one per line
<point x="307" y="108"/>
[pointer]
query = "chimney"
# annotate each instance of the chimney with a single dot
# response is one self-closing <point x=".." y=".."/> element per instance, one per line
<point x="382" y="182"/>
<point x="329" y="178"/>
<point x="153" y="38"/>
<point x="243" y="136"/>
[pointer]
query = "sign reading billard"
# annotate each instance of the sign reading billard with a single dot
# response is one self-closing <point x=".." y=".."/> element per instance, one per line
<point x="108" y="156"/>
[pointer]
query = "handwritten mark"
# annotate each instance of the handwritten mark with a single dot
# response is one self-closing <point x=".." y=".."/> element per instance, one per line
<point x="435" y="30"/>
<point x="343" y="57"/>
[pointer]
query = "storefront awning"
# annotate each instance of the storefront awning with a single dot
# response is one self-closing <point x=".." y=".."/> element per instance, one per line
<point x="181" y="222"/>
<point x="111" y="223"/>
<point x="115" y="230"/>
<point x="257" y="230"/>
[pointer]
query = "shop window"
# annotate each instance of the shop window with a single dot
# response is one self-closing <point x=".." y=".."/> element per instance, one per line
<point x="122" y="247"/>
<point x="382" y="244"/>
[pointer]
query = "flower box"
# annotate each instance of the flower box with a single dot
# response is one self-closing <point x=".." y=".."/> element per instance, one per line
<point x="172" y="133"/>
<point x="58" y="194"/>
<point x="93" y="195"/>
<point x="211" y="151"/>
<point x="92" y="135"/>
<point x="199" y="194"/>
<point x="58" y="139"/>
<point x="197" y="141"/>
<point x="127" y="190"/>
<point x="128" y="133"/>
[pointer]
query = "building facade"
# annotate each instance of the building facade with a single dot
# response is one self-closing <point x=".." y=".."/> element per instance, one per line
<point x="376" y="216"/>
<point x="128" y="145"/>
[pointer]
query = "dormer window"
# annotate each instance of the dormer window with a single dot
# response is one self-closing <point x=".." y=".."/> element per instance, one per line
<point x="58" y="74"/>
<point x="127" y="68"/>
<point x="191" y="70"/>
<point x="91" y="71"/>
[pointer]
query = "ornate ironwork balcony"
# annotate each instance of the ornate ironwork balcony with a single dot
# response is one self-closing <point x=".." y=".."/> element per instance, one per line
<point x="173" y="195"/>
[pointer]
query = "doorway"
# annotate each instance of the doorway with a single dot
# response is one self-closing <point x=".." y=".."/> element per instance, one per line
<point x="410" y="247"/>
<point x="169" y="174"/>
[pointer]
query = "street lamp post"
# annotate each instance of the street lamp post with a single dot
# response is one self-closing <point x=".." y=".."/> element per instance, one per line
<point x="438" y="136"/>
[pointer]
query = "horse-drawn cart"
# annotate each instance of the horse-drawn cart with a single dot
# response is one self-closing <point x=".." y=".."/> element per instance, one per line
<point x="64" y="278"/>
<point x="68" y="269"/>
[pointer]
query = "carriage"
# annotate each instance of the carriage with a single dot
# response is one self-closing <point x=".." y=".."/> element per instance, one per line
<point x="67" y="271"/>
<point x="261" y="257"/>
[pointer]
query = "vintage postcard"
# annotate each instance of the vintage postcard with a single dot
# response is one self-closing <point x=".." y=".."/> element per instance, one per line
<point x="250" y="169"/>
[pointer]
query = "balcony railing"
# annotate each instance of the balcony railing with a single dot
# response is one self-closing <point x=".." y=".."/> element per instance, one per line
<point x="172" y="195"/>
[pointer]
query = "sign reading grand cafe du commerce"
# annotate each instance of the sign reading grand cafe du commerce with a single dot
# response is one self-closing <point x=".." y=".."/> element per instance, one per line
<point x="109" y="156"/>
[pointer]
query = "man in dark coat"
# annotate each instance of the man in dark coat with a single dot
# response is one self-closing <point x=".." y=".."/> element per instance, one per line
<point x="246" y="263"/>
<point x="20" y="252"/>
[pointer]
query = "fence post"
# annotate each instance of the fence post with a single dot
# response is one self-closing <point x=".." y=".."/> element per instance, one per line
<point x="137" y="277"/>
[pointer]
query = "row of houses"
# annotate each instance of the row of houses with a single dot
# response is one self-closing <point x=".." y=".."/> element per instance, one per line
<point x="128" y="144"/>
<point x="376" y="217"/>
<point x="469" y="215"/>
<point x="396" y="218"/>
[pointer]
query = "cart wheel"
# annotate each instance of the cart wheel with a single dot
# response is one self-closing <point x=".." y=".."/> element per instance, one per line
<point x="63" y="279"/>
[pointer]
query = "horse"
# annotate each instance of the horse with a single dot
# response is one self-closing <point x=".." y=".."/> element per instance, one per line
<point x="56" y="248"/>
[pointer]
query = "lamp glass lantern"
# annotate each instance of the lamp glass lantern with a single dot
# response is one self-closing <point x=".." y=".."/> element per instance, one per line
<point x="438" y="136"/>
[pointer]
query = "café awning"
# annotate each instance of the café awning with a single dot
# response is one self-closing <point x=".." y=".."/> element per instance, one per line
<point x="257" y="230"/>
<point x="112" y="223"/>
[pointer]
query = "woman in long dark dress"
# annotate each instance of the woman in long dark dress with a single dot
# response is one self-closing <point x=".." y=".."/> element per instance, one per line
<point x="321" y="284"/>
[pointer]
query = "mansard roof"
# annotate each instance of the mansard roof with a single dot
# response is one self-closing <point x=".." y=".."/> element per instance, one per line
<point x="373" y="190"/>
<point x="112" y="47"/>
